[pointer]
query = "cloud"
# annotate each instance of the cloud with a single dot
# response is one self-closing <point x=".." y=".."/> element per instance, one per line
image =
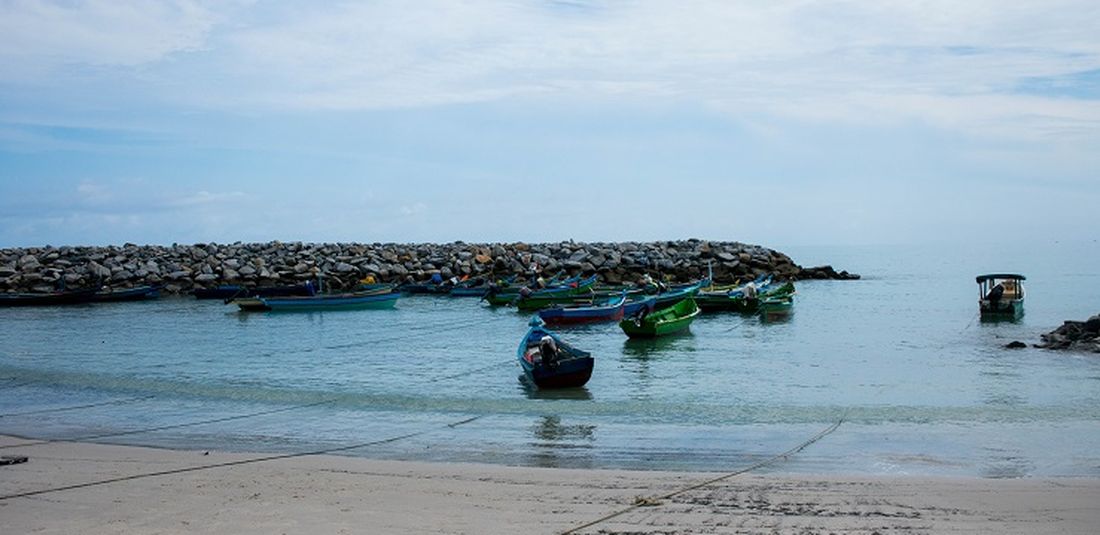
<point x="204" y="198"/>
<point x="989" y="63"/>
<point x="40" y="38"/>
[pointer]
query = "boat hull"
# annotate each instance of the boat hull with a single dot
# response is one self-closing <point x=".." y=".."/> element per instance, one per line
<point x="74" y="297"/>
<point x="570" y="369"/>
<point x="776" y="308"/>
<point x="1003" y="309"/>
<point x="569" y="374"/>
<point x="321" y="302"/>
<point x="671" y="320"/>
<point x="584" y="314"/>
<point x="140" y="293"/>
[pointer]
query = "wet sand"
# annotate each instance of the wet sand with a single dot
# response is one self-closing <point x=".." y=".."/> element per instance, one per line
<point x="332" y="494"/>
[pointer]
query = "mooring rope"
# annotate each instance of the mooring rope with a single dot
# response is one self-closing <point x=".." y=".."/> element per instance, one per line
<point x="760" y="464"/>
<point x="325" y="451"/>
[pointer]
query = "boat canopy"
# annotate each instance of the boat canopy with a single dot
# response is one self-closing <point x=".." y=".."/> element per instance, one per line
<point x="1000" y="276"/>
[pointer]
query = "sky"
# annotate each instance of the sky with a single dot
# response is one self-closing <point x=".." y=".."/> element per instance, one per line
<point x="780" y="122"/>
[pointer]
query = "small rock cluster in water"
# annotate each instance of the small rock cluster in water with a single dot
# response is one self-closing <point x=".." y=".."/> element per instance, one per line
<point x="181" y="268"/>
<point x="1075" y="335"/>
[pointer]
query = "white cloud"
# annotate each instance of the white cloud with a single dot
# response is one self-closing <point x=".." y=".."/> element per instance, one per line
<point x="205" y="198"/>
<point x="39" y="38"/>
<point x="841" y="60"/>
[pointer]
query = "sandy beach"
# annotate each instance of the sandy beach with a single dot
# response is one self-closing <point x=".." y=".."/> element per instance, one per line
<point x="59" y="490"/>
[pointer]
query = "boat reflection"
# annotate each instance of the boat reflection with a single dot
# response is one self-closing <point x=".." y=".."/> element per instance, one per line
<point x="562" y="446"/>
<point x="533" y="392"/>
<point x="550" y="428"/>
<point x="651" y="347"/>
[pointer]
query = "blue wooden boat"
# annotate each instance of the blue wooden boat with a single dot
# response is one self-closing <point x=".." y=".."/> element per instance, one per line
<point x="609" y="310"/>
<point x="549" y="362"/>
<point x="137" y="293"/>
<point x="345" y="301"/>
<point x="64" y="297"/>
<point x="678" y="293"/>
<point x="231" y="291"/>
<point x="635" y="304"/>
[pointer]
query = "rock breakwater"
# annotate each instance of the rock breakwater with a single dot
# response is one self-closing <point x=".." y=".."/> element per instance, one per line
<point x="181" y="268"/>
<point x="1075" y="336"/>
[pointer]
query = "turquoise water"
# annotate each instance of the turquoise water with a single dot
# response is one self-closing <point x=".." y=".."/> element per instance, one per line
<point x="924" y="387"/>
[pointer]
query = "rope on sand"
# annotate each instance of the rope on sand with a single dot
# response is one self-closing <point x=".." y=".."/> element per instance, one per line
<point x="645" y="502"/>
<point x="326" y="451"/>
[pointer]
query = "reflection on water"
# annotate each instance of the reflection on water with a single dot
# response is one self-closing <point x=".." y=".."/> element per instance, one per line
<point x="558" y="445"/>
<point x="643" y="348"/>
<point x="550" y="428"/>
<point x="531" y="391"/>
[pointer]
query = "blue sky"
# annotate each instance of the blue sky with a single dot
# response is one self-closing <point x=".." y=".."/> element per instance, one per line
<point x="831" y="122"/>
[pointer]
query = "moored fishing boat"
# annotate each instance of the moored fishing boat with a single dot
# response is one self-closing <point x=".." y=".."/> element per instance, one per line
<point x="1001" y="295"/>
<point x="231" y="291"/>
<point x="63" y="297"/>
<point x="533" y="299"/>
<point x="137" y="293"/>
<point x="609" y="310"/>
<point x="739" y="298"/>
<point x="660" y="322"/>
<point x="345" y="301"/>
<point x="635" y="303"/>
<point x="678" y="293"/>
<point x="549" y="362"/>
<point x="776" y="306"/>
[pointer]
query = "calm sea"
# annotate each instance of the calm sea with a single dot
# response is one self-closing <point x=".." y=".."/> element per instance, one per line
<point x="923" y="386"/>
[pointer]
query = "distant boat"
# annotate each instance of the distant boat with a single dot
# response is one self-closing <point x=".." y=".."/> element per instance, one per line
<point x="739" y="298"/>
<point x="609" y="310"/>
<point x="231" y="291"/>
<point x="743" y="298"/>
<point x="311" y="303"/>
<point x="477" y="287"/>
<point x="1001" y="295"/>
<point x="137" y="293"/>
<point x="776" y="306"/>
<point x="64" y="297"/>
<point x="530" y="299"/>
<point x="673" y="319"/>
<point x="678" y="293"/>
<point x="549" y="362"/>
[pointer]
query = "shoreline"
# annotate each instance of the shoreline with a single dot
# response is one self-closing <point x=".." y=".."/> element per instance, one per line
<point x="334" y="494"/>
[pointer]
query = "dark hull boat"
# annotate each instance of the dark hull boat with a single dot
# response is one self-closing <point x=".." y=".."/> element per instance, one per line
<point x="139" y="293"/>
<point x="68" y="297"/>
<point x="548" y="362"/>
<point x="314" y="303"/>
<point x="611" y="310"/>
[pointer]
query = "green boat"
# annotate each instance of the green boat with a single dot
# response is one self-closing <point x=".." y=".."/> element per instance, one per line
<point x="738" y="299"/>
<point x="776" y="306"/>
<point x="669" y="320"/>
<point x="541" y="298"/>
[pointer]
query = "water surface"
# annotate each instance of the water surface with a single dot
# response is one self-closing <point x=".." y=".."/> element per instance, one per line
<point x="923" y="386"/>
